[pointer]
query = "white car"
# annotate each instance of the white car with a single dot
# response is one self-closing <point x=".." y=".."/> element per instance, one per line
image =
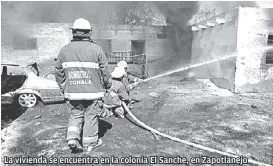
<point x="20" y="85"/>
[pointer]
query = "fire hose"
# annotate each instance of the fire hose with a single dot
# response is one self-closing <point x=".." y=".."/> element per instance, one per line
<point x="154" y="131"/>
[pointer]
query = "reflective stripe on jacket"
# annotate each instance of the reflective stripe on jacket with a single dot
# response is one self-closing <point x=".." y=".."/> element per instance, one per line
<point x="84" y="96"/>
<point x="82" y="71"/>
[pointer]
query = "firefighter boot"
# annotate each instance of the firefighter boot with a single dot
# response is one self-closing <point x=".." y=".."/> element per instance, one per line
<point x="75" y="145"/>
<point x="92" y="147"/>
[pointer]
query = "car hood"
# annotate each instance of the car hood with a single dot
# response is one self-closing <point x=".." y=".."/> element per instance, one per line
<point x="35" y="82"/>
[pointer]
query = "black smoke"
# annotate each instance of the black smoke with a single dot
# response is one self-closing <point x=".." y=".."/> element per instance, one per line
<point x="178" y="15"/>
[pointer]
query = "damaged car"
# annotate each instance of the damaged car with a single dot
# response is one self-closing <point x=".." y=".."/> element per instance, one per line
<point x="22" y="85"/>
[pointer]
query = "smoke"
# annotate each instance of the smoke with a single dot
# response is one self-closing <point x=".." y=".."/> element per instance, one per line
<point x="54" y="11"/>
<point x="178" y="12"/>
<point x="97" y="12"/>
<point x="178" y="15"/>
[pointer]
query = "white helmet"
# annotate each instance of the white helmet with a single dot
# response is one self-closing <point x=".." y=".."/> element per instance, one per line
<point x="118" y="72"/>
<point x="122" y="64"/>
<point x="81" y="24"/>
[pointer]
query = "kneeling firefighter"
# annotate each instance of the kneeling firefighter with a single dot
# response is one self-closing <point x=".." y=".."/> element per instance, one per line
<point x="129" y="80"/>
<point x="117" y="94"/>
<point x="82" y="74"/>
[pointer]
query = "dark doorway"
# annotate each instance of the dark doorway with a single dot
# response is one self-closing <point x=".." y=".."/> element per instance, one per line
<point x="138" y="47"/>
<point x="139" y="57"/>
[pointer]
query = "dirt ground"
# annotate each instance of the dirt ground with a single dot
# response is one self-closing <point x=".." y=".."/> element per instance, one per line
<point x="191" y="110"/>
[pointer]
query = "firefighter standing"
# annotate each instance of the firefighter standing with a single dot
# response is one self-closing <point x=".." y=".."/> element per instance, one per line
<point x="82" y="75"/>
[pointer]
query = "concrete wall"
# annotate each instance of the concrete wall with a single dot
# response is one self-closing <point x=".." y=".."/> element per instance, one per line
<point x="252" y="75"/>
<point x="52" y="36"/>
<point x="155" y="48"/>
<point x="243" y="34"/>
<point x="213" y="43"/>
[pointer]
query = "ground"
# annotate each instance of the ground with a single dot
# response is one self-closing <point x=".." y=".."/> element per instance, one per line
<point x="192" y="110"/>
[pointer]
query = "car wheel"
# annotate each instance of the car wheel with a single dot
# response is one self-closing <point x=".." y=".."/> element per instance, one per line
<point x="27" y="100"/>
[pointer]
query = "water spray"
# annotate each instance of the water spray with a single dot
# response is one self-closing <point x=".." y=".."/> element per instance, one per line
<point x="191" y="66"/>
<point x="259" y="49"/>
<point x="153" y="131"/>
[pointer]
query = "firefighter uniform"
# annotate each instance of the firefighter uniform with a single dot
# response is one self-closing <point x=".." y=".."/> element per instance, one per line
<point x="82" y="75"/>
<point x="118" y="92"/>
<point x="122" y="92"/>
<point x="128" y="80"/>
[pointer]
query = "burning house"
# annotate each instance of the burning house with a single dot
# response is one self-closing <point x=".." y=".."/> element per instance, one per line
<point x="246" y="33"/>
<point x="25" y="42"/>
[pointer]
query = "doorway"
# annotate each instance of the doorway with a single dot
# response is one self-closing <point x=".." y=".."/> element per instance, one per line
<point x="138" y="47"/>
<point x="139" y="58"/>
